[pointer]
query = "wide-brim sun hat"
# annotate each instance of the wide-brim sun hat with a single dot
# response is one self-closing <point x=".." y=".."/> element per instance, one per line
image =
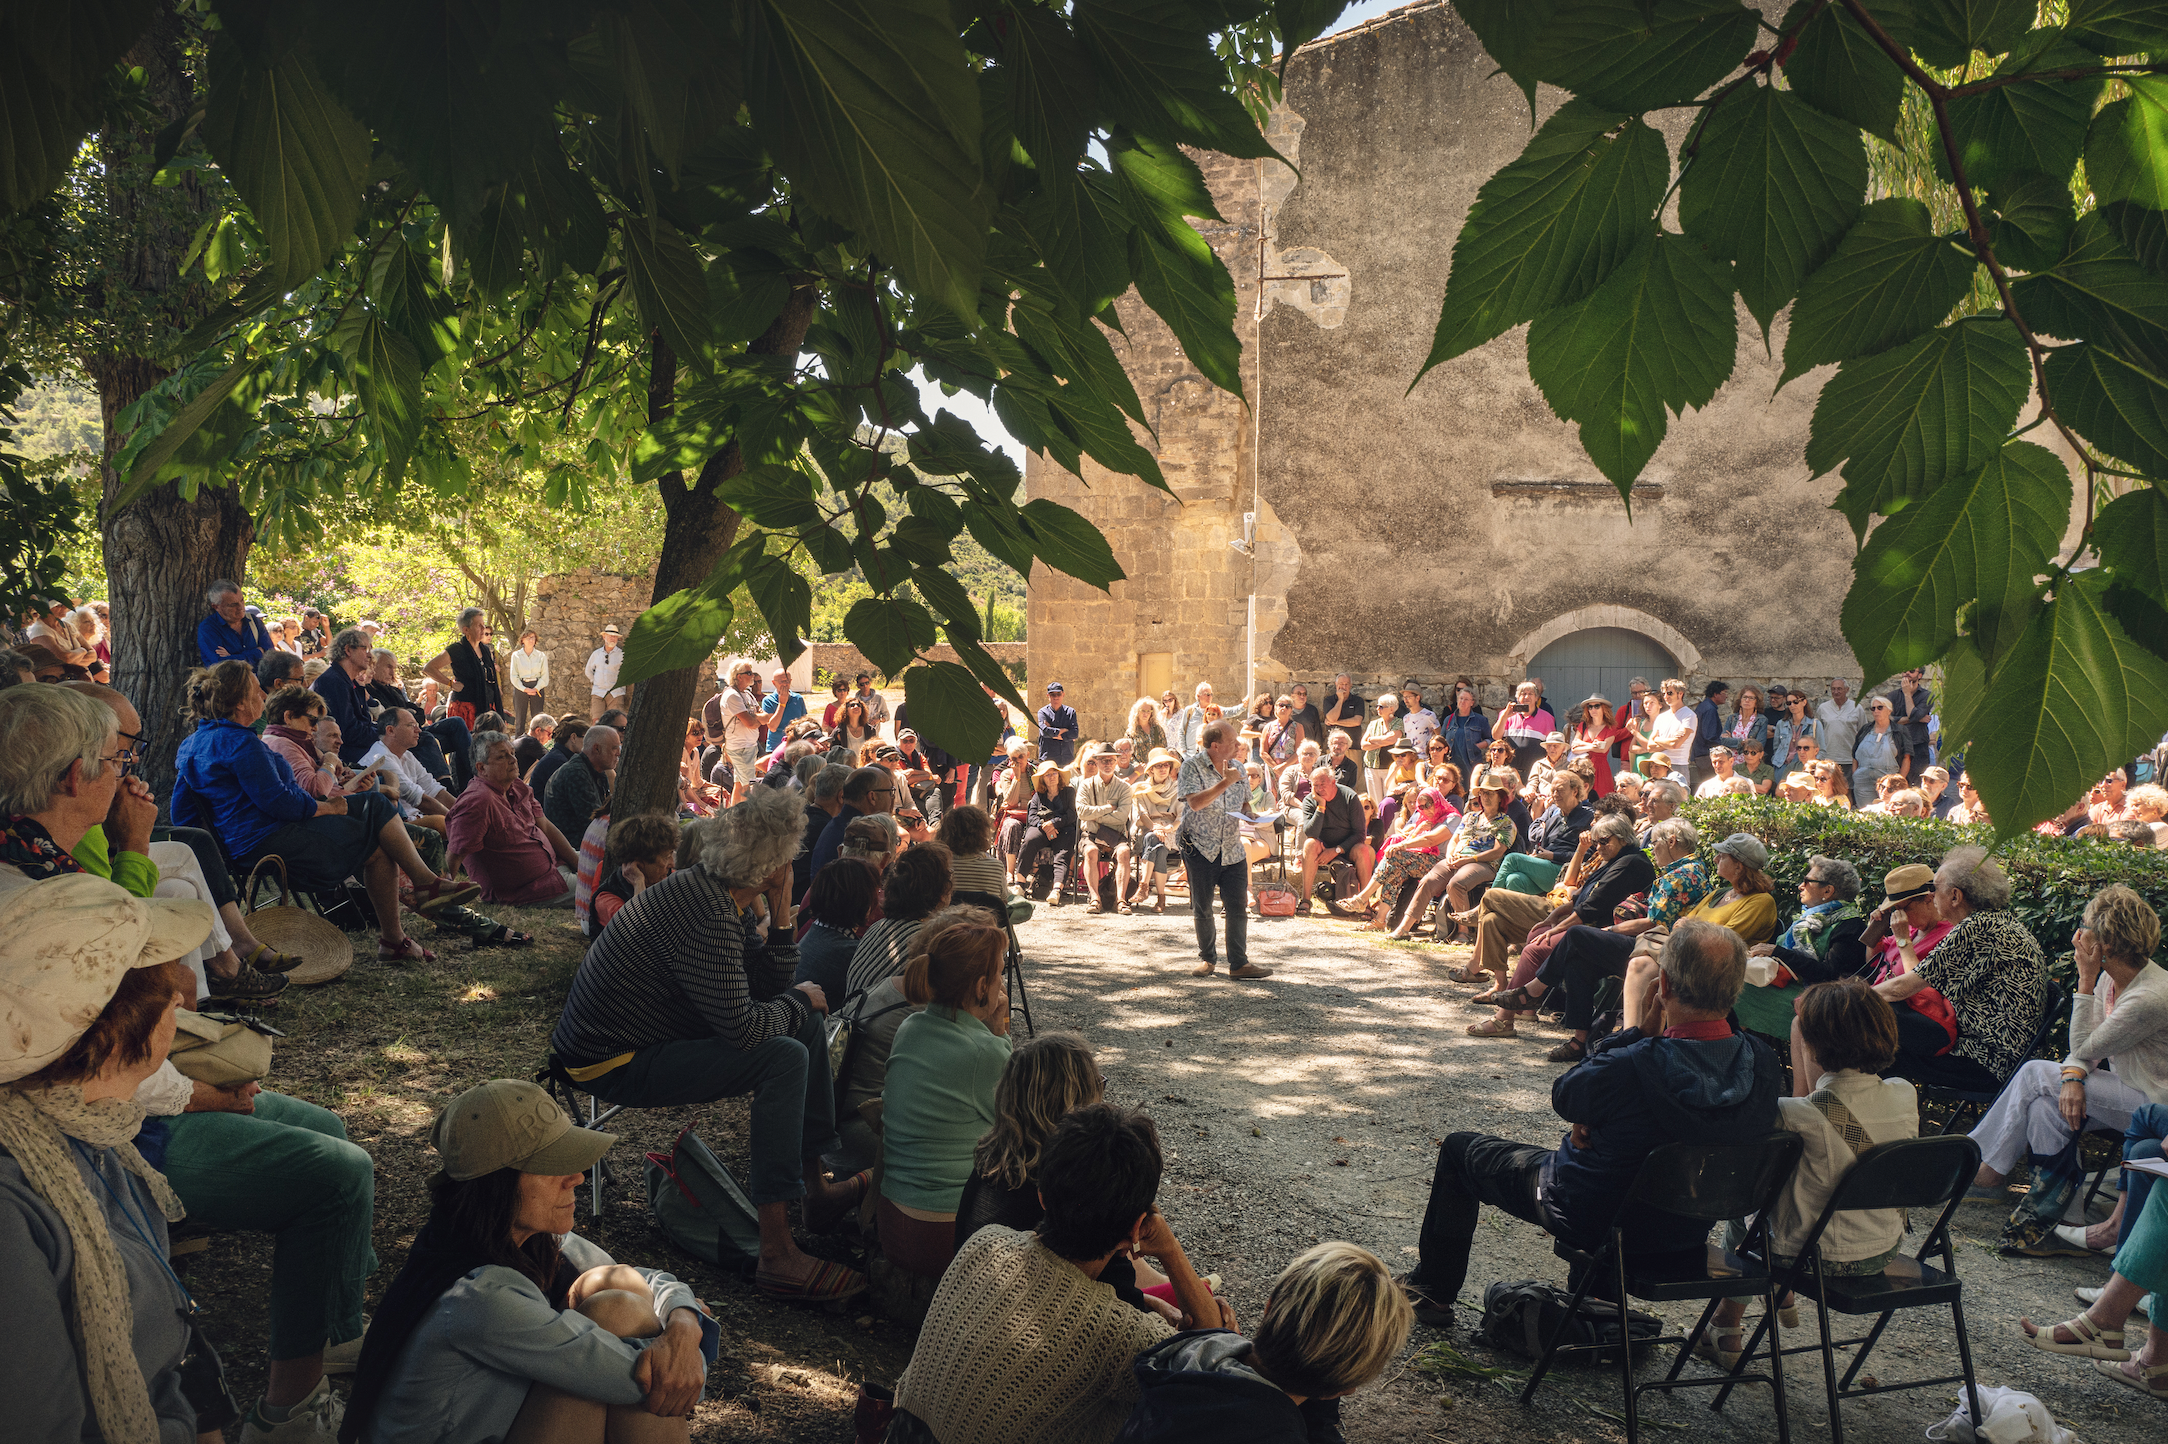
<point x="1902" y="884"/>
<point x="1161" y="754"/>
<point x="1045" y="767"/>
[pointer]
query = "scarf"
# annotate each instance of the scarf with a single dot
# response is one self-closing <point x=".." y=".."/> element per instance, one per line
<point x="35" y="1126"/>
<point x="438" y="1260"/>
<point x="1815" y="927"/>
<point x="306" y="741"/>
<point x="28" y="847"/>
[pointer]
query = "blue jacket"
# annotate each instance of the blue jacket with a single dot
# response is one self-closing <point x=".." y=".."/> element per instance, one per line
<point x="1058" y="732"/>
<point x="216" y="642"/>
<point x="346" y="702"/>
<point x="227" y="781"/>
<point x="1708" y="726"/>
<point x="831" y="838"/>
<point x="1637" y="1093"/>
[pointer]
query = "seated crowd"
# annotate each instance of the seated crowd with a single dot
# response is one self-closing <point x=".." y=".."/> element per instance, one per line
<point x="816" y="869"/>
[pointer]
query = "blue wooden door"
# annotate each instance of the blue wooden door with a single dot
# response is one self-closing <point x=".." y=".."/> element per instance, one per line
<point x="1601" y="660"/>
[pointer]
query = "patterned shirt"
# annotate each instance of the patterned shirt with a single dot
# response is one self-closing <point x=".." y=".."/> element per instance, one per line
<point x="1680" y="887"/>
<point x="1213" y="831"/>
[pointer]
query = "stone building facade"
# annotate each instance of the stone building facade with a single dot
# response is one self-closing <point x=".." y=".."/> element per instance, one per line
<point x="568" y="614"/>
<point x="1340" y="522"/>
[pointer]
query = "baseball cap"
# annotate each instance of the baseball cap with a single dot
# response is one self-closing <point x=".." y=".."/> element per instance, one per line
<point x="1912" y="880"/>
<point x="1053" y="686"/>
<point x="1747" y="848"/>
<point x="507" y="1123"/>
<point x="1555" y="737"/>
<point x="71" y="939"/>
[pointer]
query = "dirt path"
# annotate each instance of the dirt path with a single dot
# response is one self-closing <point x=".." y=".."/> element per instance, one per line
<point x="1301" y="1108"/>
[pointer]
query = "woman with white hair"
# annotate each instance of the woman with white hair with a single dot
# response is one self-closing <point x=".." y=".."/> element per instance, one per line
<point x="663" y="1014"/>
<point x="1988" y="967"/>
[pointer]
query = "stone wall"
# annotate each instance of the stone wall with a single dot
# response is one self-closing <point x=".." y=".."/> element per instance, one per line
<point x="841" y="659"/>
<point x="1453" y="530"/>
<point x="569" y="612"/>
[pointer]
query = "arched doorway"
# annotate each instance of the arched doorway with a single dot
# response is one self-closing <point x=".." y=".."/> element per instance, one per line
<point x="1598" y="660"/>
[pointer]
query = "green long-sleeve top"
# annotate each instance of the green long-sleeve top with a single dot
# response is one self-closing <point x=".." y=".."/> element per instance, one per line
<point x="938" y="1099"/>
<point x="132" y="870"/>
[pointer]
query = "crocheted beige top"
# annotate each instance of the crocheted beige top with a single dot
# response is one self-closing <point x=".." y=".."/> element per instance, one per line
<point x="1020" y="1346"/>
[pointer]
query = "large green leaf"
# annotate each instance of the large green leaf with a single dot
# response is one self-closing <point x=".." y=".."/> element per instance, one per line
<point x="54" y="64"/>
<point x="1164" y="184"/>
<point x="245" y="378"/>
<point x="1659" y="334"/>
<point x="2098" y="293"/>
<point x="2031" y="126"/>
<point x="1052" y="88"/>
<point x="771" y="495"/>
<point x="402" y="289"/>
<point x="2118" y="405"/>
<point x="2029" y="219"/>
<point x="1774" y="186"/>
<point x="1549" y="226"/>
<point x="995" y="527"/>
<point x="1187" y="285"/>
<point x="681" y="630"/>
<point x="875" y="115"/>
<point x="2131" y="535"/>
<point x="2074" y="697"/>
<point x="1634" y="55"/>
<point x="950" y="710"/>
<point x="1081" y="234"/>
<point x="742" y="303"/>
<point x="1302" y="21"/>
<point x="889" y="630"/>
<point x="785" y="600"/>
<point x="989" y="672"/>
<point x="2126" y="151"/>
<point x="670" y="287"/>
<point x="947" y="597"/>
<point x="2143" y="232"/>
<point x="294" y="154"/>
<point x="1838" y="68"/>
<point x="1068" y="543"/>
<point x="1890" y="279"/>
<point x="2119" y="27"/>
<point x="1509" y="30"/>
<point x="1157" y="75"/>
<point x="1907" y="421"/>
<point x="1985" y="536"/>
<point x="388" y="374"/>
<point x="1948" y="31"/>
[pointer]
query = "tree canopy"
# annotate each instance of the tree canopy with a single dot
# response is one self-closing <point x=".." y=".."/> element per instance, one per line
<point x="2039" y="301"/>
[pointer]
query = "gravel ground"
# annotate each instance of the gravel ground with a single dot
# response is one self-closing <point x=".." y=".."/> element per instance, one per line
<point x="1301" y="1108"/>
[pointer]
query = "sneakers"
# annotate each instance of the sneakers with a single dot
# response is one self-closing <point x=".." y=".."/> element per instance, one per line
<point x="2090" y="1297"/>
<point x="341" y="1358"/>
<point x="2074" y="1235"/>
<point x="315" y="1420"/>
<point x="248" y="986"/>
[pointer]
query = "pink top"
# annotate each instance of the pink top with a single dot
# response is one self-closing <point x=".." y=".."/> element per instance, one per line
<point x="312" y="780"/>
<point x="507" y="853"/>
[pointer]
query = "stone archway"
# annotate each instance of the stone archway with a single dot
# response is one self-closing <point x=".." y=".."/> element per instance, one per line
<point x="1629" y="619"/>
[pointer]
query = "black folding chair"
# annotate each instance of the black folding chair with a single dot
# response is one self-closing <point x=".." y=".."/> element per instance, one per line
<point x="1968" y="1105"/>
<point x="569" y="1093"/>
<point x="1013" y="969"/>
<point x="1706" y="1181"/>
<point x="1905" y="1173"/>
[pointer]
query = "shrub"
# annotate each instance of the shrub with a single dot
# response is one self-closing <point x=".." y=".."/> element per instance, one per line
<point x="2053" y="877"/>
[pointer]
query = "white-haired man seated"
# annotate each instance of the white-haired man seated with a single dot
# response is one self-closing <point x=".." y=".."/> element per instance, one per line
<point x="663" y="1014"/>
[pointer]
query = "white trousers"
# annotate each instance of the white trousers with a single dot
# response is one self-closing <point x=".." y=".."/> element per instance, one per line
<point x="180" y="875"/>
<point x="2025" y="1118"/>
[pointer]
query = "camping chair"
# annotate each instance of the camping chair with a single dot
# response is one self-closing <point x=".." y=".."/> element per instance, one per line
<point x="1013" y="969"/>
<point x="568" y="1092"/>
<point x="1967" y="1105"/>
<point x="1709" y="1181"/>
<point x="1905" y="1173"/>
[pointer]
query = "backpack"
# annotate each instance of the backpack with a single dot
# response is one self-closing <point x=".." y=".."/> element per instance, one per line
<point x="700" y="1207"/>
<point x="1521" y="1316"/>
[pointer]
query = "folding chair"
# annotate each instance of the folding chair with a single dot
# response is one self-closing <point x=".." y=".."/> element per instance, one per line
<point x="1013" y="969"/>
<point x="1707" y="1181"/>
<point x="1906" y="1173"/>
<point x="1969" y="1105"/>
<point x="568" y="1093"/>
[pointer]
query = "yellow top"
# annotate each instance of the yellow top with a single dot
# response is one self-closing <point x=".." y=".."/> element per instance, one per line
<point x="1753" y="917"/>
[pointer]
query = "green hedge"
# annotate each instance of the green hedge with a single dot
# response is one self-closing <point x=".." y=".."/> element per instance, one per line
<point x="2053" y="877"/>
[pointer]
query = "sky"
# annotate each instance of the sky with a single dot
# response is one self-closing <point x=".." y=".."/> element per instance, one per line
<point x="977" y="412"/>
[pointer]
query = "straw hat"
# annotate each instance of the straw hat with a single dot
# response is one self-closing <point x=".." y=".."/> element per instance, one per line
<point x="1049" y="766"/>
<point x="326" y="952"/>
<point x="1161" y="754"/>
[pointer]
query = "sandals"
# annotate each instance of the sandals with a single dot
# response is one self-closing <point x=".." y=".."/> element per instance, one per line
<point x="1124" y="908"/>
<point x="1469" y="975"/>
<point x="267" y="959"/>
<point x="1573" y="1050"/>
<point x="505" y="936"/>
<point x="828" y="1283"/>
<point x="825" y="1222"/>
<point x="1710" y="1347"/>
<point x="2093" y="1342"/>
<point x="1517" y="1000"/>
<point x="408" y="951"/>
<point x="2142" y="1381"/>
<point x="1492" y="1028"/>
<point x="443" y="893"/>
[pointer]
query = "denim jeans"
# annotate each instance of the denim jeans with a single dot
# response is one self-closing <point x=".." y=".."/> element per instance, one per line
<point x="794" y="1103"/>
<point x="286" y="1170"/>
<point x="1231" y="881"/>
<point x="2148" y="1127"/>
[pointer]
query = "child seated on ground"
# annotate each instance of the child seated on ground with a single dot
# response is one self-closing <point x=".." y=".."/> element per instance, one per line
<point x="1024" y="1339"/>
<point x="1334" y="1320"/>
<point x="641" y="851"/>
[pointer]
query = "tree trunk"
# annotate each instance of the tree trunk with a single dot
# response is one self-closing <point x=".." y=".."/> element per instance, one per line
<point x="697" y="529"/>
<point x="161" y="552"/>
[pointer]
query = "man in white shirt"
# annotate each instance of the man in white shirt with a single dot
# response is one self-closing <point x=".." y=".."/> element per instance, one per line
<point x="1841" y="718"/>
<point x="1185" y="731"/>
<point x="422" y="799"/>
<point x="735" y="725"/>
<point x="527" y="671"/>
<point x="1721" y="762"/>
<point x="1675" y="726"/>
<point x="1418" y="724"/>
<point x="602" y="668"/>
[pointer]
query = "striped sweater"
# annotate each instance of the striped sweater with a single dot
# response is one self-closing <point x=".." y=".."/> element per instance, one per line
<point x="672" y="965"/>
